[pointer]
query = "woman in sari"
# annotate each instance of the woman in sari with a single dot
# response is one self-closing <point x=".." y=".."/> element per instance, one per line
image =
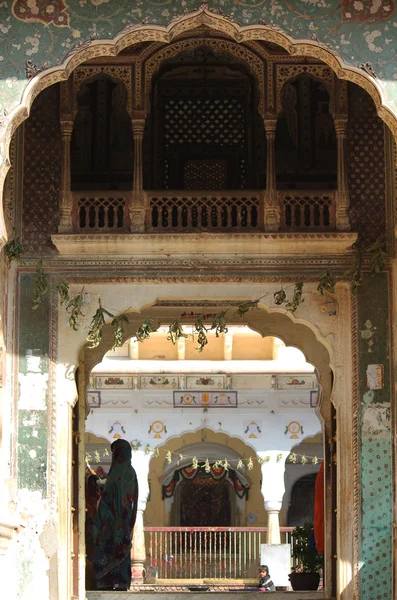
<point x="115" y="520"/>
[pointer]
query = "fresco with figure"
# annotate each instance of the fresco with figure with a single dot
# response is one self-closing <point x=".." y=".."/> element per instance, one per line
<point x="40" y="34"/>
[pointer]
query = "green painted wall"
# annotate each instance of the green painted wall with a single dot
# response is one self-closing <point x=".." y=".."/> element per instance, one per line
<point x="375" y="450"/>
<point x="45" y="31"/>
<point x="33" y="343"/>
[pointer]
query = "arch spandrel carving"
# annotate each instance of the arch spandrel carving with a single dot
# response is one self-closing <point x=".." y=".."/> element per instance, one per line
<point x="241" y="53"/>
<point x="83" y="75"/>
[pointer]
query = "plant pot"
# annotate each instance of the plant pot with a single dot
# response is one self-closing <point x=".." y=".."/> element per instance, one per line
<point x="304" y="581"/>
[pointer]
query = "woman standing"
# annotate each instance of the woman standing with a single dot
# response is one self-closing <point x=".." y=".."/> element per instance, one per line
<point x="115" y="520"/>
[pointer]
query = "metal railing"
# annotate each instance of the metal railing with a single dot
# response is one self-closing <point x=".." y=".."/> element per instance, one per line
<point x="215" y="211"/>
<point x="207" y="552"/>
<point x="304" y="210"/>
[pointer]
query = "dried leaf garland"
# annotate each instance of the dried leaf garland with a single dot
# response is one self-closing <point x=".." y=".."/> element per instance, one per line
<point x="63" y="291"/>
<point x="40" y="286"/>
<point x="118" y="325"/>
<point x="175" y="332"/>
<point x="201" y="331"/>
<point x="355" y="274"/>
<point x="246" y="306"/>
<point x="280" y="297"/>
<point x="297" y="299"/>
<point x="327" y="283"/>
<point x="143" y="332"/>
<point x="219" y="323"/>
<point x="378" y="255"/>
<point x="74" y="308"/>
<point x="95" y="328"/>
<point x="13" y="250"/>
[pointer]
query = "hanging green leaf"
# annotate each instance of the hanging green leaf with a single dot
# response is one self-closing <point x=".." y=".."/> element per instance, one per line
<point x="118" y="325"/>
<point x="355" y="274"/>
<point x="40" y="286"/>
<point x="327" y="283"/>
<point x="74" y="308"/>
<point x="13" y="250"/>
<point x="297" y="299"/>
<point x="219" y="323"/>
<point x="63" y="291"/>
<point x="246" y="306"/>
<point x="201" y="331"/>
<point x="96" y="326"/>
<point x="280" y="297"/>
<point x="378" y="254"/>
<point x="143" y="332"/>
<point x="175" y="332"/>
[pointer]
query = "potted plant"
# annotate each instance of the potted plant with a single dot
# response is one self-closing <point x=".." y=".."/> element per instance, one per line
<point x="306" y="574"/>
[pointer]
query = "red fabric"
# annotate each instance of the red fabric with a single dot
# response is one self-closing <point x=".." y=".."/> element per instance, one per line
<point x="319" y="510"/>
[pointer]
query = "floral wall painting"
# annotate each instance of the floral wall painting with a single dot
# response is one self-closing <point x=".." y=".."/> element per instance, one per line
<point x="157" y="430"/>
<point x="366" y="11"/>
<point x="198" y="399"/>
<point x="296" y="382"/>
<point x="159" y="381"/>
<point x="368" y="334"/>
<point x="93" y="399"/>
<point x="375" y="377"/>
<point x="294" y="430"/>
<point x="113" y="382"/>
<point x="205" y="381"/>
<point x="252" y="429"/>
<point x="47" y="12"/>
<point x="116" y="430"/>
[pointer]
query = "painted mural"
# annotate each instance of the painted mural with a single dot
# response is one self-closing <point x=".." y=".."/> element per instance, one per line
<point x="39" y="34"/>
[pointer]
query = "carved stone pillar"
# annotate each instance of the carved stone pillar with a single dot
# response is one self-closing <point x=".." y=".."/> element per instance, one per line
<point x="273" y="523"/>
<point x="65" y="198"/>
<point x="140" y="461"/>
<point x="138" y="550"/>
<point x="137" y="208"/>
<point x="271" y="208"/>
<point x="342" y="194"/>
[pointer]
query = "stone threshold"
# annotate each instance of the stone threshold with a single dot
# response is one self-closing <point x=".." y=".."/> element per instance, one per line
<point x="215" y="595"/>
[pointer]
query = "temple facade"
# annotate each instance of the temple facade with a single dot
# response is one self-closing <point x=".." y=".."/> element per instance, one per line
<point x="198" y="256"/>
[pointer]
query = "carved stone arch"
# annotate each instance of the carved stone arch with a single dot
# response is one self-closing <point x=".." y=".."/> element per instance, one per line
<point x="239" y="52"/>
<point x="132" y="34"/>
<point x="82" y="76"/>
<point x="322" y="73"/>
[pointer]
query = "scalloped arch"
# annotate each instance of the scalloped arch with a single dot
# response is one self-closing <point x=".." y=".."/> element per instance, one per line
<point x="166" y="34"/>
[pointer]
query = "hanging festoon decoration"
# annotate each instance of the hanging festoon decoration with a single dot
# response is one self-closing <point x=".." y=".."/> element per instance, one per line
<point x="215" y="467"/>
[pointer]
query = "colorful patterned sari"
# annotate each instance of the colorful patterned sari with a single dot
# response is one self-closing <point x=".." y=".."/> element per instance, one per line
<point x="115" y="520"/>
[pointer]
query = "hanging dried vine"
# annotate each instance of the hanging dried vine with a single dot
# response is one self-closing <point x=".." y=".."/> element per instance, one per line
<point x="143" y="332"/>
<point x="95" y="328"/>
<point x="74" y="308"/>
<point x="297" y="298"/>
<point x="63" y="292"/>
<point x="175" y="332"/>
<point x="40" y="285"/>
<point x="201" y="331"/>
<point x="219" y="323"/>
<point x="119" y="323"/>
<point x="13" y="250"/>
<point x="327" y="283"/>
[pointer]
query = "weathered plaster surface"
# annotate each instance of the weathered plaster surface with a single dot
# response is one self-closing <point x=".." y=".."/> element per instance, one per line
<point x="45" y="32"/>
<point x="375" y="454"/>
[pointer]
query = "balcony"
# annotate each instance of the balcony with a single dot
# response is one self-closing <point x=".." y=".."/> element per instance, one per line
<point x="202" y="222"/>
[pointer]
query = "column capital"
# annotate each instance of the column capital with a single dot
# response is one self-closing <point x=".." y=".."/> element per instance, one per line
<point x="138" y="127"/>
<point x="66" y="127"/>
<point x="270" y="125"/>
<point x="341" y="123"/>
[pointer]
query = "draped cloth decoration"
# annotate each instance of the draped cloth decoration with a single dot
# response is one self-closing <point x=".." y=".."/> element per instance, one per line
<point x="217" y="472"/>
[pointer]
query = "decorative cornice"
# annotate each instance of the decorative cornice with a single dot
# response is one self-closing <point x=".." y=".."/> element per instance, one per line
<point x="245" y="245"/>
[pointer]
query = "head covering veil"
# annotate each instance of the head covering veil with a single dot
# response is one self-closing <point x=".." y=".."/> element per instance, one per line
<point x="115" y="520"/>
